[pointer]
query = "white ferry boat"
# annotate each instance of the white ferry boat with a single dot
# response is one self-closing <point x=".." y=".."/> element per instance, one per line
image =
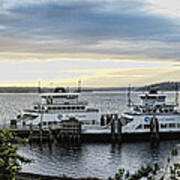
<point x="56" y="107"/>
<point x="153" y="105"/>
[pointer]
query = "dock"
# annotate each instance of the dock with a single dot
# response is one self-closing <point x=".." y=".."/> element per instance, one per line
<point x="71" y="131"/>
<point x="94" y="137"/>
<point x="74" y="134"/>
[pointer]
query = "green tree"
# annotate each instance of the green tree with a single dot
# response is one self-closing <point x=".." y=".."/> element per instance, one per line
<point x="10" y="160"/>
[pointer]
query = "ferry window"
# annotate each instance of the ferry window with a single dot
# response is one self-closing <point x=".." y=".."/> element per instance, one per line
<point x="178" y="125"/>
<point x="163" y="125"/>
<point x="146" y="126"/>
<point x="139" y="127"/>
<point x="73" y="108"/>
<point x="172" y="125"/>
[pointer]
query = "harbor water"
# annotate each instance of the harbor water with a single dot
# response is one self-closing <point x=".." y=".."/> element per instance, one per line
<point x="87" y="160"/>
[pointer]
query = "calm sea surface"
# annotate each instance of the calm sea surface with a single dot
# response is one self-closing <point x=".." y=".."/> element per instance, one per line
<point x="100" y="160"/>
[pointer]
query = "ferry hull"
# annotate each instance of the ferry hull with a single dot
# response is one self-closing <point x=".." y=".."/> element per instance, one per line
<point x="140" y="123"/>
<point x="47" y="119"/>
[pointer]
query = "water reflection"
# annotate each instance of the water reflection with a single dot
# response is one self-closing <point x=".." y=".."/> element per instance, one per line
<point x="102" y="160"/>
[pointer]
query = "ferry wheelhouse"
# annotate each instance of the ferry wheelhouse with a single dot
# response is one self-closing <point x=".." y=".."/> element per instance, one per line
<point x="56" y="107"/>
<point x="153" y="104"/>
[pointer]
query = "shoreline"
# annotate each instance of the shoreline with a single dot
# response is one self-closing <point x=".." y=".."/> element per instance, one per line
<point x="34" y="176"/>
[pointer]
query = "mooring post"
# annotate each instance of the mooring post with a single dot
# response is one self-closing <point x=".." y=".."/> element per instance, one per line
<point x="40" y="125"/>
<point x="157" y="129"/>
<point x="41" y="133"/>
<point x="79" y="133"/>
<point x="30" y="133"/>
<point x="113" y="130"/>
<point x="50" y="138"/>
<point x="151" y="129"/>
<point x="102" y="120"/>
<point x="119" y="129"/>
<point x="154" y="129"/>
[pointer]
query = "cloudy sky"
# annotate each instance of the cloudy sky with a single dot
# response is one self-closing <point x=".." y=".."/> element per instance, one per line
<point x="101" y="42"/>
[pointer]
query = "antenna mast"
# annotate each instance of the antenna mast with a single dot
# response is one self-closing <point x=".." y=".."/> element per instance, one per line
<point x="79" y="86"/>
<point x="39" y="86"/>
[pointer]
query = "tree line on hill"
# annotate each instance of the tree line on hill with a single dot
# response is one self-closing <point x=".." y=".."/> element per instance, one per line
<point x="163" y="86"/>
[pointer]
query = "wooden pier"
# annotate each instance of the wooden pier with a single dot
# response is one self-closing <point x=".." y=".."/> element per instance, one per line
<point x="70" y="131"/>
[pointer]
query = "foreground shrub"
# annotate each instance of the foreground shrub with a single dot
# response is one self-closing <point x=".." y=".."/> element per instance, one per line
<point x="10" y="160"/>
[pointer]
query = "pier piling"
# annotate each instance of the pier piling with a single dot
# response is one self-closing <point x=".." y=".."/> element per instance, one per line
<point x="69" y="131"/>
<point x="154" y="129"/>
<point x="113" y="130"/>
<point x="119" y="137"/>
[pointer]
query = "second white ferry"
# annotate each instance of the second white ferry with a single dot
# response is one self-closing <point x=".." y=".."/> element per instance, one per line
<point x="153" y="105"/>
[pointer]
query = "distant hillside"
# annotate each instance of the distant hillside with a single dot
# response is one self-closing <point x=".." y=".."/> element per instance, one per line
<point x="108" y="89"/>
<point x="23" y="89"/>
<point x="45" y="89"/>
<point x="164" y="86"/>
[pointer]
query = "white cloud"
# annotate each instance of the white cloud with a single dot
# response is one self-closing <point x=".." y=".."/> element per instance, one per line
<point x="2" y="27"/>
<point x="165" y="7"/>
